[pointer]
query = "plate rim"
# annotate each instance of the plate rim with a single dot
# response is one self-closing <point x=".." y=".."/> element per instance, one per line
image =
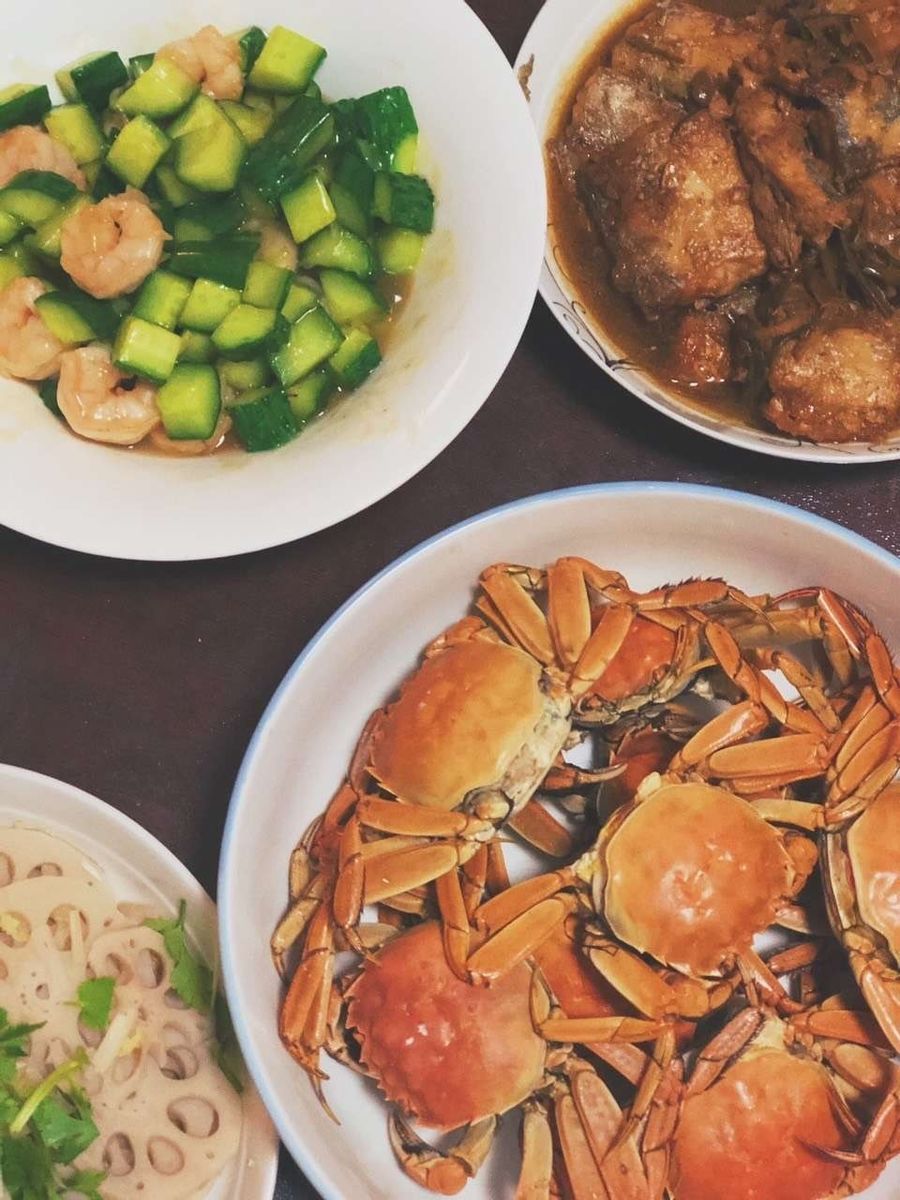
<point x="204" y="916"/>
<point x="675" y="490"/>
<point x="517" y="309"/>
<point x="769" y="443"/>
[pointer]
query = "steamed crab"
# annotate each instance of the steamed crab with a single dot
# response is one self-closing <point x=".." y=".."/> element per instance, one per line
<point x="472" y="735"/>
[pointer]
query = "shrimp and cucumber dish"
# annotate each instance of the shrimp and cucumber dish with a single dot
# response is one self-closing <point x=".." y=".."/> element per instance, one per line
<point x="198" y="248"/>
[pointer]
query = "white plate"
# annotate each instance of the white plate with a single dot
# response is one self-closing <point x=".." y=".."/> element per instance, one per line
<point x="138" y="867"/>
<point x="472" y="295"/>
<point x="652" y="533"/>
<point x="562" y="34"/>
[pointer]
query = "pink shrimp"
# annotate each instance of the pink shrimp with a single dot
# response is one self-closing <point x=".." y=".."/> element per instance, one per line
<point x="27" y="148"/>
<point x="28" y="350"/>
<point x="110" y="248"/>
<point x="96" y="400"/>
<point x="210" y="59"/>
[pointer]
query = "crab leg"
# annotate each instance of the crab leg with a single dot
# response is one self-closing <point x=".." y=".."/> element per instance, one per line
<point x="474" y="878"/>
<point x="650" y="991"/>
<point x="454" y="922"/>
<point x="448" y="1173"/>
<point x="715" y="1057"/>
<point x="781" y="811"/>
<point x="519" y="938"/>
<point x="568" y="609"/>
<point x="542" y="830"/>
<point x="300" y="1020"/>
<point x="582" y="1172"/>
<point x="843" y="1024"/>
<point x="587" y="1030"/>
<point x="871" y="768"/>
<point x="736" y="723"/>
<point x="497" y="874"/>
<point x="391" y="874"/>
<point x="290" y="928"/>
<point x="810" y="688"/>
<point x="602" y="647"/>
<point x="536" y="1174"/>
<point x="518" y="610"/>
<point x="601" y="1118"/>
<point x="516" y="901"/>
<point x="389" y="816"/>
<point x="659" y="1131"/>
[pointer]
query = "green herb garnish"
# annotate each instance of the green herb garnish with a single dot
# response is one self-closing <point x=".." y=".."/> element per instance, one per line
<point x="95" y="997"/>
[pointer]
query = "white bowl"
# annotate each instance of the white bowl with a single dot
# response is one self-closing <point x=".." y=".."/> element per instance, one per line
<point x="139" y="868"/>
<point x="563" y="32"/>
<point x="472" y="295"/>
<point x="652" y="533"/>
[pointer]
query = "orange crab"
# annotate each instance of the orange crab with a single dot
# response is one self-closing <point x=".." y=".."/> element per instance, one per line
<point x="763" y="1118"/>
<point x="453" y="1056"/>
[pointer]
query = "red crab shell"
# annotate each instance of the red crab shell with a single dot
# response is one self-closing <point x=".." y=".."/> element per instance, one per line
<point x="448" y="1053"/>
<point x="749" y="1137"/>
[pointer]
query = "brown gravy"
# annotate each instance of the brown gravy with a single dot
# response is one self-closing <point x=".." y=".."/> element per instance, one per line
<point x="580" y="252"/>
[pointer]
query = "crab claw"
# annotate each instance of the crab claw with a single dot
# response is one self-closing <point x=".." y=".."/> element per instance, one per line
<point x="448" y="1173"/>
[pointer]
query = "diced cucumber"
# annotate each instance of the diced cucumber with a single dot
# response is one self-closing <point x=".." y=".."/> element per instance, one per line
<point x="76" y="319"/>
<point x="278" y="163"/>
<point x="190" y="401"/>
<point x="353" y="192"/>
<point x="137" y="151"/>
<point x="47" y="390"/>
<point x="208" y="305"/>
<point x="10" y="228"/>
<point x="248" y="331"/>
<point x="210" y="158"/>
<point x="312" y="339"/>
<point x="338" y="247"/>
<point x="139" y="64"/>
<point x="144" y="349"/>
<point x="399" y="250"/>
<point x="225" y="260"/>
<point x="259" y="100"/>
<point x="310" y="395"/>
<point x="349" y="300"/>
<point x="251" y="42"/>
<point x="388" y="125"/>
<point x="73" y="126"/>
<point x="177" y="194"/>
<point x="281" y="104"/>
<point x="313" y="90"/>
<point x="300" y="299"/>
<point x="10" y="269"/>
<point x="356" y="359"/>
<point x="23" y="104"/>
<point x="242" y="376"/>
<point x="161" y="91"/>
<point x="93" y="79"/>
<point x="196" y="347"/>
<point x="162" y="298"/>
<point x="308" y="208"/>
<point x="27" y="260"/>
<point x="35" y="196"/>
<point x="263" y="419"/>
<point x="47" y="238"/>
<point x="253" y="123"/>
<point x="203" y="220"/>
<point x="102" y="181"/>
<point x="287" y="62"/>
<point x="406" y="201"/>
<point x="266" y="286"/>
<point x="201" y="111"/>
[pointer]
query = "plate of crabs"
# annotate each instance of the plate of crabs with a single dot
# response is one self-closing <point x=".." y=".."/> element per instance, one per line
<point x="588" y="886"/>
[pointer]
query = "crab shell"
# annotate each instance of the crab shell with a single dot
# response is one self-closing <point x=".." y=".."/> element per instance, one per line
<point x="751" y="1135"/>
<point x="447" y="1053"/>
<point x="873" y="844"/>
<point x="689" y="873"/>
<point x="478" y="716"/>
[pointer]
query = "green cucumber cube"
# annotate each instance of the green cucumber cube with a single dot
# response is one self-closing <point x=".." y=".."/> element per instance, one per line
<point x="247" y="331"/>
<point x="144" y="349"/>
<point x="245" y="374"/>
<point x="308" y="397"/>
<point x="278" y="163"/>
<point x="208" y="305"/>
<point x="33" y="197"/>
<point x="10" y="227"/>
<point x="263" y="419"/>
<point x="196" y="347"/>
<point x="210" y="158"/>
<point x="73" y="126"/>
<point x="201" y="112"/>
<point x="267" y="285"/>
<point x="388" y="126"/>
<point x="353" y="193"/>
<point x="349" y="300"/>
<point x="173" y="190"/>
<point x="356" y="359"/>
<point x="10" y="269"/>
<point x="23" y="104"/>
<point x="93" y="79"/>
<point x="338" y="247"/>
<point x="312" y="339"/>
<point x="299" y="300"/>
<point x="399" y="250"/>
<point x="308" y="208"/>
<point x="47" y="237"/>
<point x="406" y="201"/>
<point x="162" y="299"/>
<point x="163" y="90"/>
<point x="137" y="151"/>
<point x="286" y="63"/>
<point x="189" y="402"/>
<point x="253" y="123"/>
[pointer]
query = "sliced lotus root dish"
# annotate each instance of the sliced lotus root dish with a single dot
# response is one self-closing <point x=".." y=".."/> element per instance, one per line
<point x="168" y="1119"/>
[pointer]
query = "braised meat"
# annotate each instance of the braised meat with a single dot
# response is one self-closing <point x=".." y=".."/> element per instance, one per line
<point x="738" y="180"/>
<point x="676" y="44"/>
<point x="838" y="383"/>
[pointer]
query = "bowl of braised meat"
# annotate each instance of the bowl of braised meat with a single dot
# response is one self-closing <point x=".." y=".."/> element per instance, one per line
<point x="724" y="233"/>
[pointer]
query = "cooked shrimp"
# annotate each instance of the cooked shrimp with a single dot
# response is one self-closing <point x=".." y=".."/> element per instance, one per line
<point x="110" y="248"/>
<point x="189" y="446"/>
<point x="210" y="59"/>
<point x="28" y="350"/>
<point x="102" y="404"/>
<point x="26" y="148"/>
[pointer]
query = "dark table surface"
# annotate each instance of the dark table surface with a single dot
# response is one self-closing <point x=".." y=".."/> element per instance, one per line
<point x="142" y="683"/>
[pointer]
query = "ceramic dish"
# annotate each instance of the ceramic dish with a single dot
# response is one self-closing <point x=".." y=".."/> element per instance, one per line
<point x="139" y="868"/>
<point x="472" y="295"/>
<point x="650" y="532"/>
<point x="563" y="33"/>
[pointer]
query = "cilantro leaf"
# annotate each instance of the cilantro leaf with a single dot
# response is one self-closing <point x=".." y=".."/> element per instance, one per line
<point x="86" y="1183"/>
<point x="191" y="978"/>
<point x="228" y="1054"/>
<point x="26" y="1169"/>
<point x="13" y="1045"/>
<point x="95" y="997"/>
<point x="65" y="1125"/>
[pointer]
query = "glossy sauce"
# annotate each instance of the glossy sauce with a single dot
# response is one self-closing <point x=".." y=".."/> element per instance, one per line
<point x="581" y="253"/>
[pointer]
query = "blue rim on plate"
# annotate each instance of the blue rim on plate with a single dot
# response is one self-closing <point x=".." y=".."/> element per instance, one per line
<point x="673" y="490"/>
